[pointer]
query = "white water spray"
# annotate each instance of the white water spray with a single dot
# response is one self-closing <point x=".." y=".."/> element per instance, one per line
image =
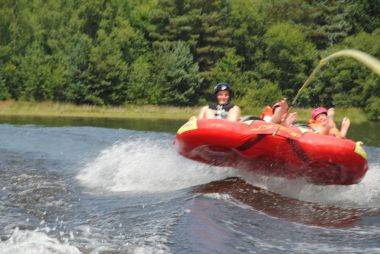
<point x="33" y="242"/>
<point x="148" y="166"/>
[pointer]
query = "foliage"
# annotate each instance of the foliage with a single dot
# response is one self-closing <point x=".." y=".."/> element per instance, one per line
<point x="3" y="90"/>
<point x="201" y="24"/>
<point x="373" y="108"/>
<point x="345" y="82"/>
<point x="140" y="82"/>
<point x="176" y="78"/>
<point x="261" y="94"/>
<point x="113" y="52"/>
<point x="228" y="68"/>
<point x="248" y="29"/>
<point x="289" y="57"/>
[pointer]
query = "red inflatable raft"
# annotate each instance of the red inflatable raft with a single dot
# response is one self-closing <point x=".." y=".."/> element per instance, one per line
<point x="291" y="152"/>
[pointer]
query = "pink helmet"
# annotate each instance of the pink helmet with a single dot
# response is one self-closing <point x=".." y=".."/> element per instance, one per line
<point x="317" y="111"/>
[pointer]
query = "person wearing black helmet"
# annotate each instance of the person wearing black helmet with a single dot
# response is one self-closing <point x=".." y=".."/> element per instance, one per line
<point x="222" y="108"/>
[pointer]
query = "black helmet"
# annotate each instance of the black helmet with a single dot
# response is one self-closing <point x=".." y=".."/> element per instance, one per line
<point x="222" y="87"/>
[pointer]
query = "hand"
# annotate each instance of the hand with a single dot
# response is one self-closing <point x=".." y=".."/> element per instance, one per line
<point x="346" y="122"/>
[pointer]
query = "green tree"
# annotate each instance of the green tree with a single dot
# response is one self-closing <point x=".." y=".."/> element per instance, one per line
<point x="364" y="15"/>
<point x="227" y="69"/>
<point x="289" y="57"/>
<point x="262" y="93"/>
<point x="90" y="13"/>
<point x="76" y="60"/>
<point x="325" y="23"/>
<point x="15" y="35"/>
<point x="176" y="78"/>
<point x="214" y="35"/>
<point x="345" y="82"/>
<point x="117" y="46"/>
<point x="201" y="24"/>
<point x="174" y="21"/>
<point x="373" y="108"/>
<point x="4" y="94"/>
<point x="34" y="71"/>
<point x="138" y="13"/>
<point x="248" y="28"/>
<point x="174" y="51"/>
<point x="140" y="81"/>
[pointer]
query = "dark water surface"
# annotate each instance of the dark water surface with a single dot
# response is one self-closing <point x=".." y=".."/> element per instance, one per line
<point x="118" y="186"/>
<point x="161" y="125"/>
<point x="368" y="132"/>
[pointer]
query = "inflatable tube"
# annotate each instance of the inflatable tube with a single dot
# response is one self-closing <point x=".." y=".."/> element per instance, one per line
<point x="291" y="153"/>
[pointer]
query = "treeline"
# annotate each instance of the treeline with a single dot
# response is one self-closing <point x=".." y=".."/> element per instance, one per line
<point x="172" y="52"/>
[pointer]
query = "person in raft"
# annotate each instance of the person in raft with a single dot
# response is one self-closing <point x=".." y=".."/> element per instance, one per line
<point x="277" y="113"/>
<point x="323" y="122"/>
<point x="222" y="108"/>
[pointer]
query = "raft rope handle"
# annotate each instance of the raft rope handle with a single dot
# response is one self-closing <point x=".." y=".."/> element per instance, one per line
<point x="366" y="59"/>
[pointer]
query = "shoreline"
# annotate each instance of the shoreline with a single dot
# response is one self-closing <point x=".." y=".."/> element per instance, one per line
<point x="68" y="110"/>
<point x="10" y="108"/>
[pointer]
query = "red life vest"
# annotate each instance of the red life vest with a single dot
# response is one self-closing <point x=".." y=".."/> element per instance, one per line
<point x="268" y="112"/>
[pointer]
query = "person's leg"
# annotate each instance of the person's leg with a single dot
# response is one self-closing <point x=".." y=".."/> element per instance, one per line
<point x="206" y="113"/>
<point x="279" y="112"/>
<point x="209" y="113"/>
<point x="292" y="117"/>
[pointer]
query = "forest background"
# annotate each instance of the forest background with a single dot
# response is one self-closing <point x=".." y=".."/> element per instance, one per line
<point x="173" y="52"/>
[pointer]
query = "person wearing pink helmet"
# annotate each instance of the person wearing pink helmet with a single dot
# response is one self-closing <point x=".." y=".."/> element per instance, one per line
<point x="323" y="122"/>
<point x="277" y="113"/>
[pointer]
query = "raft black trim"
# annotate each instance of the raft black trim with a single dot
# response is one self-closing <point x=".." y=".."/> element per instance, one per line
<point x="298" y="150"/>
<point x="251" y="142"/>
<point x="293" y="143"/>
<point x="248" y="118"/>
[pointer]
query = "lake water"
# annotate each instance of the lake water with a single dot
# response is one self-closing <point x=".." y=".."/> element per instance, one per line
<point x="118" y="186"/>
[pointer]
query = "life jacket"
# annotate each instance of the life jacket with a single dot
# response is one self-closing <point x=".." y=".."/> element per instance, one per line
<point x="267" y="114"/>
<point x="220" y="110"/>
<point x="318" y="128"/>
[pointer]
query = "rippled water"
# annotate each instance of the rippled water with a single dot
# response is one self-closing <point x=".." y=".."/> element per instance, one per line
<point x="99" y="190"/>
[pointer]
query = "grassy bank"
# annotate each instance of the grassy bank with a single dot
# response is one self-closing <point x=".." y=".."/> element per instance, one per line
<point x="54" y="109"/>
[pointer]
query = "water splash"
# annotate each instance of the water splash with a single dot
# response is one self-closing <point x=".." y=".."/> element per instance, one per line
<point x="33" y="242"/>
<point x="146" y="165"/>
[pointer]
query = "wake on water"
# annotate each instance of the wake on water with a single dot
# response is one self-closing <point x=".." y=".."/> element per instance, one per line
<point x="146" y="165"/>
<point x="34" y="242"/>
<point x="153" y="165"/>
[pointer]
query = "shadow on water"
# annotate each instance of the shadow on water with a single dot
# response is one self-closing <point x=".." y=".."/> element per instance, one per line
<point x="282" y="207"/>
